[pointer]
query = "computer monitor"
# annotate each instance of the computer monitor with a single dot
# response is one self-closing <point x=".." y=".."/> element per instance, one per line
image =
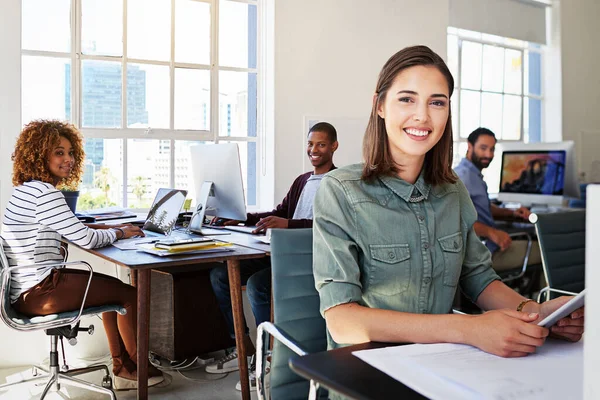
<point x="218" y="181"/>
<point x="538" y="174"/>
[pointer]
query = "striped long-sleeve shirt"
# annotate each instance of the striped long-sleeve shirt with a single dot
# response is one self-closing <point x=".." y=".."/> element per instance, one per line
<point x="36" y="217"/>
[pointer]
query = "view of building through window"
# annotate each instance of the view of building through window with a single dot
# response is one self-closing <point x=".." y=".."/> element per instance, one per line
<point x="498" y="85"/>
<point x="143" y="98"/>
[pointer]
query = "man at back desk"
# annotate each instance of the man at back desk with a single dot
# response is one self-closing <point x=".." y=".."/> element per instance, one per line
<point x="506" y="253"/>
<point x="295" y="211"/>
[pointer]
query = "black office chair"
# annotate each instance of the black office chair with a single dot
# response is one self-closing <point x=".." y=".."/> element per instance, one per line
<point x="298" y="326"/>
<point x="562" y="244"/>
<point x="57" y="326"/>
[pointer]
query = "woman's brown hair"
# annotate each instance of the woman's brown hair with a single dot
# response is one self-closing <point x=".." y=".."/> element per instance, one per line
<point x="376" y="151"/>
<point x="33" y="148"/>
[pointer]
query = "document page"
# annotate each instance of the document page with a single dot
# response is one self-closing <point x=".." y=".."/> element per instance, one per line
<point x="454" y="371"/>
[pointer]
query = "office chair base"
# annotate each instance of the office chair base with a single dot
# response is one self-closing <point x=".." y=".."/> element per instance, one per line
<point x="67" y="378"/>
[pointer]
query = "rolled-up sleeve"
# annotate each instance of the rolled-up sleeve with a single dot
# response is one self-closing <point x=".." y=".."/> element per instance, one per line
<point x="335" y="253"/>
<point x="477" y="272"/>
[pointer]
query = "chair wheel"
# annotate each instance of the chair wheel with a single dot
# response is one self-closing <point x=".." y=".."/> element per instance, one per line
<point x="107" y="382"/>
<point x="34" y="371"/>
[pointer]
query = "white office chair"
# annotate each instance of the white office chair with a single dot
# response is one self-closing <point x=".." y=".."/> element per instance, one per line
<point x="56" y="326"/>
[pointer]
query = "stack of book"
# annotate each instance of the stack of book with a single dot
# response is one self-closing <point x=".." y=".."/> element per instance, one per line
<point x="169" y="247"/>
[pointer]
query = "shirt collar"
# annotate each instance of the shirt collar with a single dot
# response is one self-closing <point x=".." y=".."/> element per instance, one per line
<point x="404" y="189"/>
<point x="465" y="162"/>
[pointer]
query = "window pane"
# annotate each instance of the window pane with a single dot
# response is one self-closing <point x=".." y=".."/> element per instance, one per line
<point x="148" y="96"/>
<point x="46" y="88"/>
<point x="511" y="121"/>
<point x="459" y="150"/>
<point x="493" y="68"/>
<point x="192" y="99"/>
<point x="101" y="85"/>
<point x="248" y="165"/>
<point x="149" y="29"/>
<point x="46" y="25"/>
<point x="148" y="169"/>
<point x="533" y="120"/>
<point x="469" y="112"/>
<point x="533" y="73"/>
<point x="102" y="27"/>
<point x="237" y="34"/>
<point x="491" y="112"/>
<point x="192" y="32"/>
<point x="103" y="174"/>
<point x="237" y="104"/>
<point x="453" y="56"/>
<point x="512" y="71"/>
<point x="491" y="174"/>
<point x="184" y="178"/>
<point x="470" y="77"/>
<point x="454" y="101"/>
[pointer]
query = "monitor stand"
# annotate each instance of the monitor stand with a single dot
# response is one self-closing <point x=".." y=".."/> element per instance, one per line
<point x="205" y="192"/>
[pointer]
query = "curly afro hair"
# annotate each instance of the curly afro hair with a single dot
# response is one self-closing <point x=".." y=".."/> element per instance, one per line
<point x="36" y="141"/>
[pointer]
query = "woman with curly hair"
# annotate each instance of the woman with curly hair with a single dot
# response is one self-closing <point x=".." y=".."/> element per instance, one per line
<point x="47" y="154"/>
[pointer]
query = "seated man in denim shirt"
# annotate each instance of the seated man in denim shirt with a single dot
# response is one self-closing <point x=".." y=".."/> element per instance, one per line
<point x="506" y="253"/>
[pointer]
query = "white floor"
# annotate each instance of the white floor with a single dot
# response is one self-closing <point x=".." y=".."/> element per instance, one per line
<point x="179" y="385"/>
<point x="190" y="384"/>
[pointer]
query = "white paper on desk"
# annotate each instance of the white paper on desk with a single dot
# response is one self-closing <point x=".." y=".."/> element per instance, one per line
<point x="132" y="243"/>
<point x="453" y="371"/>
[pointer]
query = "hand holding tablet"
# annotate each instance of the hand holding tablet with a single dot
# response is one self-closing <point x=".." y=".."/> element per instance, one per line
<point x="564" y="311"/>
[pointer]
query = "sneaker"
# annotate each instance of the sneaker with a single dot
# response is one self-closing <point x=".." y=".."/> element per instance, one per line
<point x="252" y="376"/>
<point x="126" y="379"/>
<point x="224" y="365"/>
<point x="121" y="383"/>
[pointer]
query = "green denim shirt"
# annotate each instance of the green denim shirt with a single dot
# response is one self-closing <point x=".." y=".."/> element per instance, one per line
<point x="374" y="247"/>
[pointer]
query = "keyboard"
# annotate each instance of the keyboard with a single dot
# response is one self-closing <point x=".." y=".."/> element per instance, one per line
<point x="240" y="228"/>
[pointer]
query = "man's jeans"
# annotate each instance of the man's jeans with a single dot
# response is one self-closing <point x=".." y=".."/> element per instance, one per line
<point x="256" y="275"/>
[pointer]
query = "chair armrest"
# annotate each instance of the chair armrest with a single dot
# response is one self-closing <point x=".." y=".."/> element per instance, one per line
<point x="262" y="343"/>
<point x="64" y="248"/>
<point x="5" y="279"/>
<point x="549" y="289"/>
<point x="527" y="253"/>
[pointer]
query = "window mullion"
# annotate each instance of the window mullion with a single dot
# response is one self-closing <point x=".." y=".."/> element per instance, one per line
<point x="459" y="85"/>
<point x="172" y="97"/>
<point x="522" y="134"/>
<point x="76" y="63"/>
<point x="124" y="192"/>
<point x="124" y="102"/>
<point x="214" y="71"/>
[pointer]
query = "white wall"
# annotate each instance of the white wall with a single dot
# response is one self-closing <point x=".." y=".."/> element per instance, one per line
<point x="10" y="92"/>
<point x="580" y="61"/>
<point x="327" y="57"/>
<point x="591" y="350"/>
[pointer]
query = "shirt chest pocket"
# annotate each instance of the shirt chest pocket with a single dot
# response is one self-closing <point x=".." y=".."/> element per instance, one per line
<point x="389" y="272"/>
<point x="452" y="249"/>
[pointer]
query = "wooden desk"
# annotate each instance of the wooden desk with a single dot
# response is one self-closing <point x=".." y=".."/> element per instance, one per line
<point x="142" y="263"/>
<point x="339" y="370"/>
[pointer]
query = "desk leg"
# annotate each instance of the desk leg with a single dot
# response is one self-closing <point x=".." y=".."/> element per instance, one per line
<point x="133" y="276"/>
<point x="235" y="289"/>
<point x="143" y="325"/>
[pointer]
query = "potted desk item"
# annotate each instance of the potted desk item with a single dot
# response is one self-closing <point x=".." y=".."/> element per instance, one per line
<point x="71" y="193"/>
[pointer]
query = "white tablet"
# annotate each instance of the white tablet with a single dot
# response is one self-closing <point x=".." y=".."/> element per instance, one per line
<point x="564" y="311"/>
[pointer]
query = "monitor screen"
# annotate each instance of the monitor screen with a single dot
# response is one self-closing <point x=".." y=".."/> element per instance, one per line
<point x="533" y="172"/>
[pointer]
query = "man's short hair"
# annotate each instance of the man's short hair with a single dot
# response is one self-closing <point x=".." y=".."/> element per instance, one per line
<point x="478" y="132"/>
<point x="326" y="128"/>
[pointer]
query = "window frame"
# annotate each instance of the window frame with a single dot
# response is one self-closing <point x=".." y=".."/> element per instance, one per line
<point x="469" y="36"/>
<point x="124" y="133"/>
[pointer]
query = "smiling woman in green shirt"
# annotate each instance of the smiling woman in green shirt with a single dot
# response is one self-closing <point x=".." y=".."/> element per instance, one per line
<point x="394" y="238"/>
